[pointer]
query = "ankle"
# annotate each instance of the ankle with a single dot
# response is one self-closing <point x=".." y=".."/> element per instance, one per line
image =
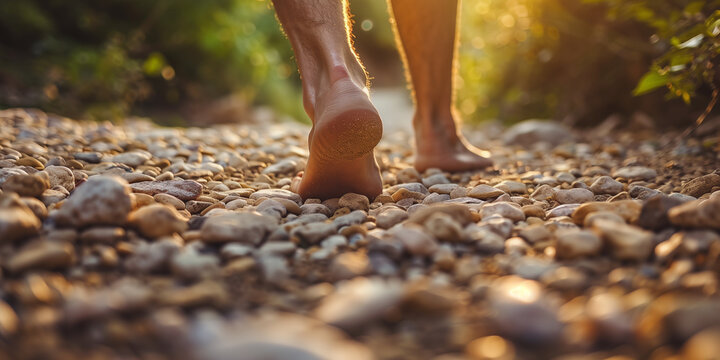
<point x="438" y="126"/>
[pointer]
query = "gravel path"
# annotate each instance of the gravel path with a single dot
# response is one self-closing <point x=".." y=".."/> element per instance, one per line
<point x="133" y="241"/>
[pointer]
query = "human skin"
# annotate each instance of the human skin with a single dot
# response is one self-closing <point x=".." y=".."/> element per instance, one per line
<point x="426" y="31"/>
<point x="345" y="125"/>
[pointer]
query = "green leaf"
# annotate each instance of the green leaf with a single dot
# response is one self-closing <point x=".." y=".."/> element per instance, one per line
<point x="650" y="81"/>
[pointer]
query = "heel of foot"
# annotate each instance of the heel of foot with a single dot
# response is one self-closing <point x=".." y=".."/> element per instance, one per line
<point x="350" y="135"/>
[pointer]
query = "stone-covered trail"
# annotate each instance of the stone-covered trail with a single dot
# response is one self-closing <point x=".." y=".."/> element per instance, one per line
<point x="132" y="241"/>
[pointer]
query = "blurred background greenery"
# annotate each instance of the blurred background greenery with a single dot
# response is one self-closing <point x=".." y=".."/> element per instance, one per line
<point x="178" y="60"/>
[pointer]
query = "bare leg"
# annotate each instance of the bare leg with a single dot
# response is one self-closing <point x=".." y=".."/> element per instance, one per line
<point x="426" y="33"/>
<point x="346" y="126"/>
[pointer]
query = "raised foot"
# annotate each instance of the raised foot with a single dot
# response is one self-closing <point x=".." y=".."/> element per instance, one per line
<point x="345" y="131"/>
<point x="334" y="179"/>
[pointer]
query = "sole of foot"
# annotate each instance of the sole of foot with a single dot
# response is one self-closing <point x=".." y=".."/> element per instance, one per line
<point x="346" y="129"/>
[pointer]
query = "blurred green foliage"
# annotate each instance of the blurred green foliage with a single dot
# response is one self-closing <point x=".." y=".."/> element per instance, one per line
<point x="585" y="59"/>
<point x="112" y="56"/>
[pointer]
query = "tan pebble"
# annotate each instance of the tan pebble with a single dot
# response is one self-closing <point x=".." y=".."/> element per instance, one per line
<point x="165" y="176"/>
<point x="384" y="199"/>
<point x="627" y="209"/>
<point x="143" y="200"/>
<point x="353" y="229"/>
<point x="74" y="164"/>
<point x="157" y="220"/>
<point x="206" y="198"/>
<point x="458" y="192"/>
<point x="238" y="266"/>
<point x="136" y="177"/>
<point x="170" y="200"/>
<point x="30" y="161"/>
<point x="340" y="212"/>
<point x="107" y="235"/>
<point x="217" y="205"/>
<point x="354" y="201"/>
<point x="62" y="235"/>
<point x="533" y="211"/>
<point x="403" y="193"/>
<point x="192" y="235"/>
<point x="605" y="215"/>
<point x="125" y="248"/>
<point x="290" y="205"/>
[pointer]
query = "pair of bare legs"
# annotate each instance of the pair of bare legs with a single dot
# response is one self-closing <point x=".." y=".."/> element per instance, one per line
<point x="346" y="126"/>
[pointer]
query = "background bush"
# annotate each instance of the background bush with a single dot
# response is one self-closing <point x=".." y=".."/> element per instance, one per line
<point x="577" y="60"/>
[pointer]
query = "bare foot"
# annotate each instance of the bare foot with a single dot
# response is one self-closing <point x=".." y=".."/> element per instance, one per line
<point x="345" y="130"/>
<point x="440" y="145"/>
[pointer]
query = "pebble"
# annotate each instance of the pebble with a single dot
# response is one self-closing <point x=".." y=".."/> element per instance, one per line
<point x="390" y="218"/>
<point x="204" y="293"/>
<point x="625" y="241"/>
<point x="195" y="207"/>
<point x="642" y="192"/>
<point x="235" y="250"/>
<point x="182" y="189"/>
<point x="635" y="173"/>
<point x="284" y="166"/>
<point x="521" y="312"/>
<point x="36" y="206"/>
<point x="314" y="232"/>
<point x="278" y="335"/>
<point x="415" y="240"/>
<point x="124" y="295"/>
<point x="60" y="176"/>
<point x="170" y="200"/>
<point x="654" y="212"/>
<point x="25" y="185"/>
<point x="354" y="201"/>
<point x="131" y="158"/>
<point x="484" y="192"/>
<point x="154" y="221"/>
<point x="627" y="209"/>
<point x="17" y="221"/>
<point x="436" y="179"/>
<point x="353" y="218"/>
<point x="190" y="264"/>
<point x="276" y="193"/>
<point x="697" y="214"/>
<point x="504" y="209"/>
<point x="543" y="192"/>
<point x="701" y="185"/>
<point x="360" y="301"/>
<point x="533" y="211"/>
<point x="9" y="321"/>
<point x="349" y="265"/>
<point x="574" y="196"/>
<point x="605" y="215"/>
<point x="605" y="185"/>
<point x="512" y="187"/>
<point x="574" y="244"/>
<point x="443" y="227"/>
<point x="148" y="258"/>
<point x="101" y="200"/>
<point x="103" y="235"/>
<point x="43" y="254"/>
<point x="535" y="233"/>
<point x="250" y="228"/>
